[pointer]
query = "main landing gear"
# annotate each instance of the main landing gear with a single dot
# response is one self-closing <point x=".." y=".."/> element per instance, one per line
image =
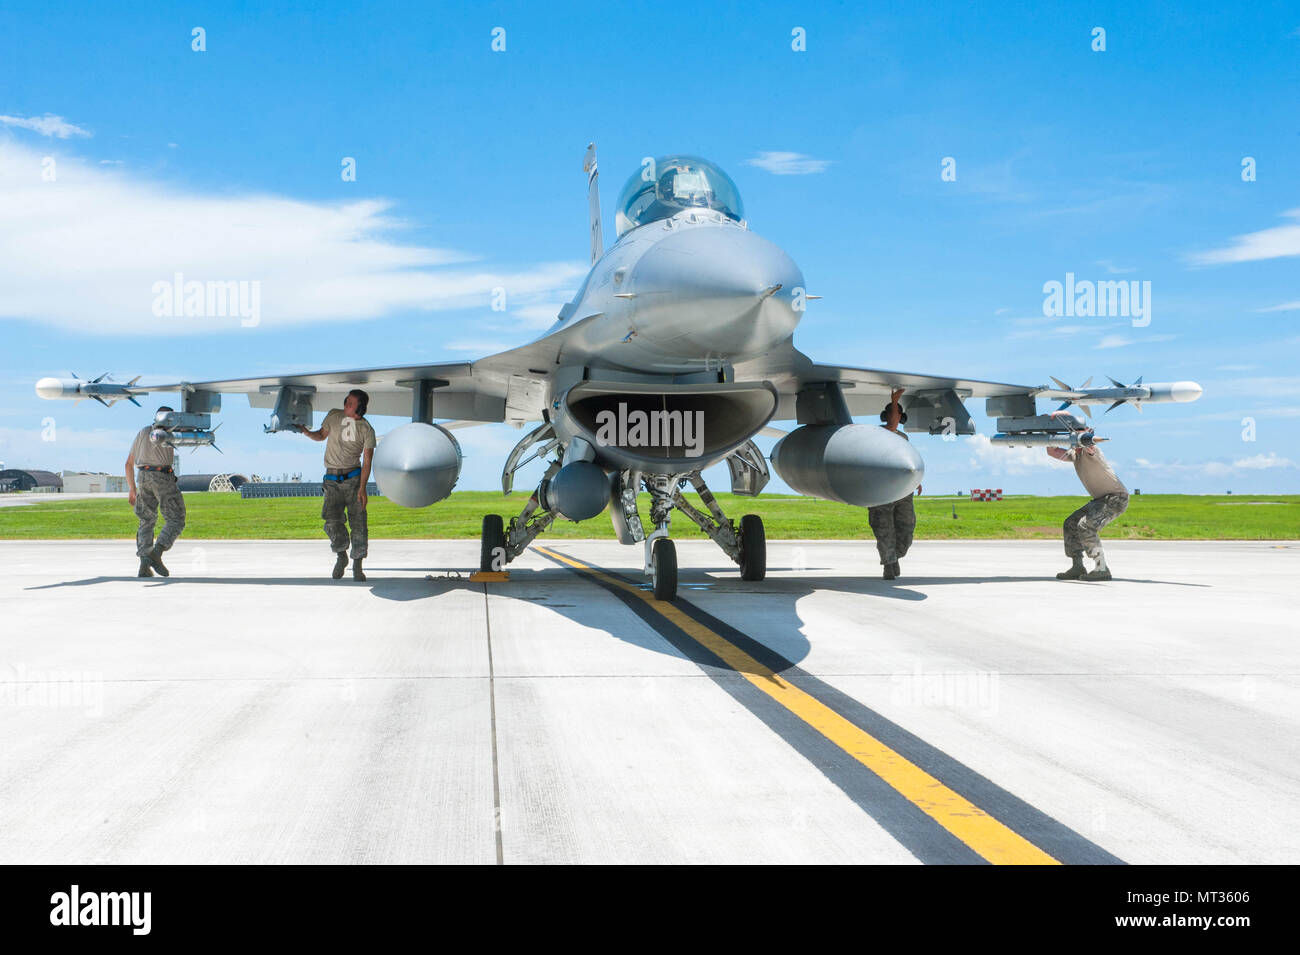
<point x="745" y="543"/>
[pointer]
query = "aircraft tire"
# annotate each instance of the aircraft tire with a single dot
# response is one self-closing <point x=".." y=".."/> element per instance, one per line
<point x="664" y="563"/>
<point x="492" y="538"/>
<point x="753" y="548"/>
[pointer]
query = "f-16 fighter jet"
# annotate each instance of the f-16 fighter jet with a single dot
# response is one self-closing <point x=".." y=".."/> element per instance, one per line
<point x="677" y="350"/>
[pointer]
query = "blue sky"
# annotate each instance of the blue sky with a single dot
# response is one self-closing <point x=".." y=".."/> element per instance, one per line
<point x="1124" y="164"/>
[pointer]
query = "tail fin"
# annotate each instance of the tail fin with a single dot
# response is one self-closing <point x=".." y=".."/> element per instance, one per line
<point x="593" y="202"/>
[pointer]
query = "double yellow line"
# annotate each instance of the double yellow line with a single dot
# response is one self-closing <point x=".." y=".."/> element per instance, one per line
<point x="984" y="834"/>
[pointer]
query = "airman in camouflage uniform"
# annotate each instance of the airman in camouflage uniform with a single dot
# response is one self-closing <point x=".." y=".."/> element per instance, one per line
<point x="893" y="524"/>
<point x="152" y="490"/>
<point x="1083" y="527"/>
<point x="349" y="450"/>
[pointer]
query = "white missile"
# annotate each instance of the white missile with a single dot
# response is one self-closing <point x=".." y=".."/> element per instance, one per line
<point x="1072" y="440"/>
<point x="102" y="389"/>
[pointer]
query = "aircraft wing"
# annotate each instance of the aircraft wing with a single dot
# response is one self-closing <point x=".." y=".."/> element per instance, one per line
<point x="507" y="386"/>
<point x="866" y="390"/>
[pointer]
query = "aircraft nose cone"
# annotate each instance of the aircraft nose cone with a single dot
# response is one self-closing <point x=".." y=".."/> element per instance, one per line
<point x="717" y="290"/>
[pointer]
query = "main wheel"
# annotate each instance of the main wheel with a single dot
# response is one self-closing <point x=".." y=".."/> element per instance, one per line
<point x="753" y="548"/>
<point x="663" y="562"/>
<point x="492" y="543"/>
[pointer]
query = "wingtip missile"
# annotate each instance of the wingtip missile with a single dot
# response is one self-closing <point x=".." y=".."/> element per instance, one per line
<point x="1135" y="394"/>
<point x="103" y="389"/>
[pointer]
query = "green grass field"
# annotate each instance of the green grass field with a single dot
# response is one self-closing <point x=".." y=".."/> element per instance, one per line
<point x="228" y="517"/>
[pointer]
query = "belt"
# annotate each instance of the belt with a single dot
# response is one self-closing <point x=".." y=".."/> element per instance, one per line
<point x="330" y="474"/>
<point x="155" y="467"/>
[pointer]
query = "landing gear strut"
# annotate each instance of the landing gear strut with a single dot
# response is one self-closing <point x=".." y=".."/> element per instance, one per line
<point x="746" y="545"/>
<point x="660" y="551"/>
<point x="499" y="544"/>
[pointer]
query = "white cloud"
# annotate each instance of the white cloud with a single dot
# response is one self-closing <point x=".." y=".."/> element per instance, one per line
<point x="1112" y="268"/>
<point x="1277" y="242"/>
<point x="85" y="251"/>
<point x="1259" y="462"/>
<point x="788" y="164"/>
<point x="47" y="125"/>
<point x="1284" y="307"/>
<point x="480" y="346"/>
<point x="72" y="448"/>
<point x="1123" y="341"/>
<point x="1040" y="326"/>
<point x="539" y="316"/>
<point x="1114" y="341"/>
<point x="992" y="459"/>
<point x="1277" y="387"/>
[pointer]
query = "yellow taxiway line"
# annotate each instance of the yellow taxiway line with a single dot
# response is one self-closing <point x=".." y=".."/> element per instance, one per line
<point x="988" y="837"/>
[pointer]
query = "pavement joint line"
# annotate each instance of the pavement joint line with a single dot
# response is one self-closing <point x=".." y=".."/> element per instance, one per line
<point x="492" y="708"/>
<point x="987" y="836"/>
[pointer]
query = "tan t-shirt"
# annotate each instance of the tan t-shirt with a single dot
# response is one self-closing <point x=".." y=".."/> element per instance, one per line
<point x="1096" y="473"/>
<point x="348" y="437"/>
<point x="145" y="451"/>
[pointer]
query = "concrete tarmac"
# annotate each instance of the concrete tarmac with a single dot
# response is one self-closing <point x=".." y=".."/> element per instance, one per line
<point x="250" y="709"/>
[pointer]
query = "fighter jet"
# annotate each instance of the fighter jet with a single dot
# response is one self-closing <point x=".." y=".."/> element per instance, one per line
<point x="676" y="351"/>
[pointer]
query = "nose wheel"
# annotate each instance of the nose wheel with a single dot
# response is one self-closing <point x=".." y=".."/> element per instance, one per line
<point x="663" y="568"/>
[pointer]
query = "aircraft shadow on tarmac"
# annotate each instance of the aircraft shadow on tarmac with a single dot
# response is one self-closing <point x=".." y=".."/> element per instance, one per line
<point x="566" y="592"/>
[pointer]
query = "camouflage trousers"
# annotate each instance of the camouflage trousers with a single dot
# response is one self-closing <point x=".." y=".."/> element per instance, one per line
<point x="893" y="525"/>
<point x="154" y="491"/>
<point x="341" y="499"/>
<point x="1084" y="525"/>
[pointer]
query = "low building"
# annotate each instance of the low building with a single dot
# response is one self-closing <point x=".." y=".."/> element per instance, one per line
<point x="93" y="482"/>
<point x="31" y="480"/>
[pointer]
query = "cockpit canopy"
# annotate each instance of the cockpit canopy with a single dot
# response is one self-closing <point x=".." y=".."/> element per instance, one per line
<point x="667" y="185"/>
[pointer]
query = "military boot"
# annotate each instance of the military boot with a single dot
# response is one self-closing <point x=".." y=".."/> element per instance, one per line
<point x="891" y="570"/>
<point x="340" y="565"/>
<point x="155" y="558"/>
<point x="356" y="570"/>
<point x="1075" y="572"/>
<point x="1100" y="572"/>
<point x="146" y="570"/>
